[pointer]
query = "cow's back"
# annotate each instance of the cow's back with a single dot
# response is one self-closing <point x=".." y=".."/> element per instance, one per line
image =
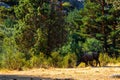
<point x="95" y="55"/>
<point x="88" y="57"/>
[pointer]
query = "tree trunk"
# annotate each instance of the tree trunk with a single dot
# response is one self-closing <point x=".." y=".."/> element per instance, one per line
<point x="103" y="26"/>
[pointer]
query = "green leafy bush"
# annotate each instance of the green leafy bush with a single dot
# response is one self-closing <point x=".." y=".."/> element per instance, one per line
<point x="38" y="61"/>
<point x="56" y="59"/>
<point x="105" y="59"/>
<point x="0" y="60"/>
<point x="69" y="61"/>
<point x="92" y="44"/>
<point x="11" y="57"/>
<point x="13" y="61"/>
<point x="81" y="65"/>
<point x="65" y="49"/>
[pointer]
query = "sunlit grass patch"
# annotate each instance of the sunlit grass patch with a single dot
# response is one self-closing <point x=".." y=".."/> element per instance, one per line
<point x="105" y="59"/>
<point x="81" y="65"/>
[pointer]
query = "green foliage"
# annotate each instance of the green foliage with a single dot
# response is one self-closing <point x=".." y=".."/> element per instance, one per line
<point x="92" y="44"/>
<point x="1" y="40"/>
<point x="69" y="61"/>
<point x="65" y="49"/>
<point x="38" y="61"/>
<point x="81" y="65"/>
<point x="41" y="41"/>
<point x="13" y="61"/>
<point x="74" y="21"/>
<point x="118" y="59"/>
<point x="56" y="59"/>
<point x="116" y="4"/>
<point x="105" y="59"/>
<point x="9" y="23"/>
<point x="30" y="30"/>
<point x="66" y="4"/>
<point x="43" y="26"/>
<point x="11" y="57"/>
<point x="0" y="60"/>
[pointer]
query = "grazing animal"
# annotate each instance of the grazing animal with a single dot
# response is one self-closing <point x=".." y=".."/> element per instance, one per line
<point x="89" y="57"/>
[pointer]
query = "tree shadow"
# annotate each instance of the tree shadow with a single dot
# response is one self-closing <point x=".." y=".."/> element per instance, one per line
<point x="20" y="77"/>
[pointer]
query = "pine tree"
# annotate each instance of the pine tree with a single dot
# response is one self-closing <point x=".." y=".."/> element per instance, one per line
<point x="41" y="16"/>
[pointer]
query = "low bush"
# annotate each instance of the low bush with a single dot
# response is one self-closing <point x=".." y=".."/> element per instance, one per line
<point x="0" y="60"/>
<point x="36" y="61"/>
<point x="11" y="58"/>
<point x="13" y="61"/>
<point x="105" y="59"/>
<point x="56" y="59"/>
<point x="69" y="61"/>
<point x="81" y="65"/>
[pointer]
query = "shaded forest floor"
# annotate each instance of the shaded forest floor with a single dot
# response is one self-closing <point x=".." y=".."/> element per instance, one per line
<point x="88" y="73"/>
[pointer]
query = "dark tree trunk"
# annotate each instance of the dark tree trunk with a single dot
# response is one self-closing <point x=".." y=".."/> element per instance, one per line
<point x="102" y="2"/>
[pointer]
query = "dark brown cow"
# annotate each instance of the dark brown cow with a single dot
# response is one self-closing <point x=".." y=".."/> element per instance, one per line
<point x="89" y="57"/>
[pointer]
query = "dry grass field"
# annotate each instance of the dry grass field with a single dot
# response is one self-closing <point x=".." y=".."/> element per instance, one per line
<point x="88" y="73"/>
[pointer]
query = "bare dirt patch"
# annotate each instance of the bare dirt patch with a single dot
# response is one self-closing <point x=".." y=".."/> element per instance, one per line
<point x="88" y="73"/>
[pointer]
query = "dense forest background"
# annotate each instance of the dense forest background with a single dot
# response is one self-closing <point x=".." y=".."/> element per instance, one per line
<point x="54" y="33"/>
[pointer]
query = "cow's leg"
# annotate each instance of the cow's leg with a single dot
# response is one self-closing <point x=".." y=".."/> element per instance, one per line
<point x="91" y="63"/>
<point x="98" y="62"/>
<point x="86" y="63"/>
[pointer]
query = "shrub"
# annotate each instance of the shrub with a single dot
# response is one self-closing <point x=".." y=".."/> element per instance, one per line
<point x="11" y="57"/>
<point x="65" y="49"/>
<point x="69" y="61"/>
<point x="37" y="61"/>
<point x="56" y="59"/>
<point x="118" y="59"/>
<point x="0" y="60"/>
<point x="92" y="44"/>
<point x="105" y="59"/>
<point x="81" y="65"/>
<point x="13" y="61"/>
